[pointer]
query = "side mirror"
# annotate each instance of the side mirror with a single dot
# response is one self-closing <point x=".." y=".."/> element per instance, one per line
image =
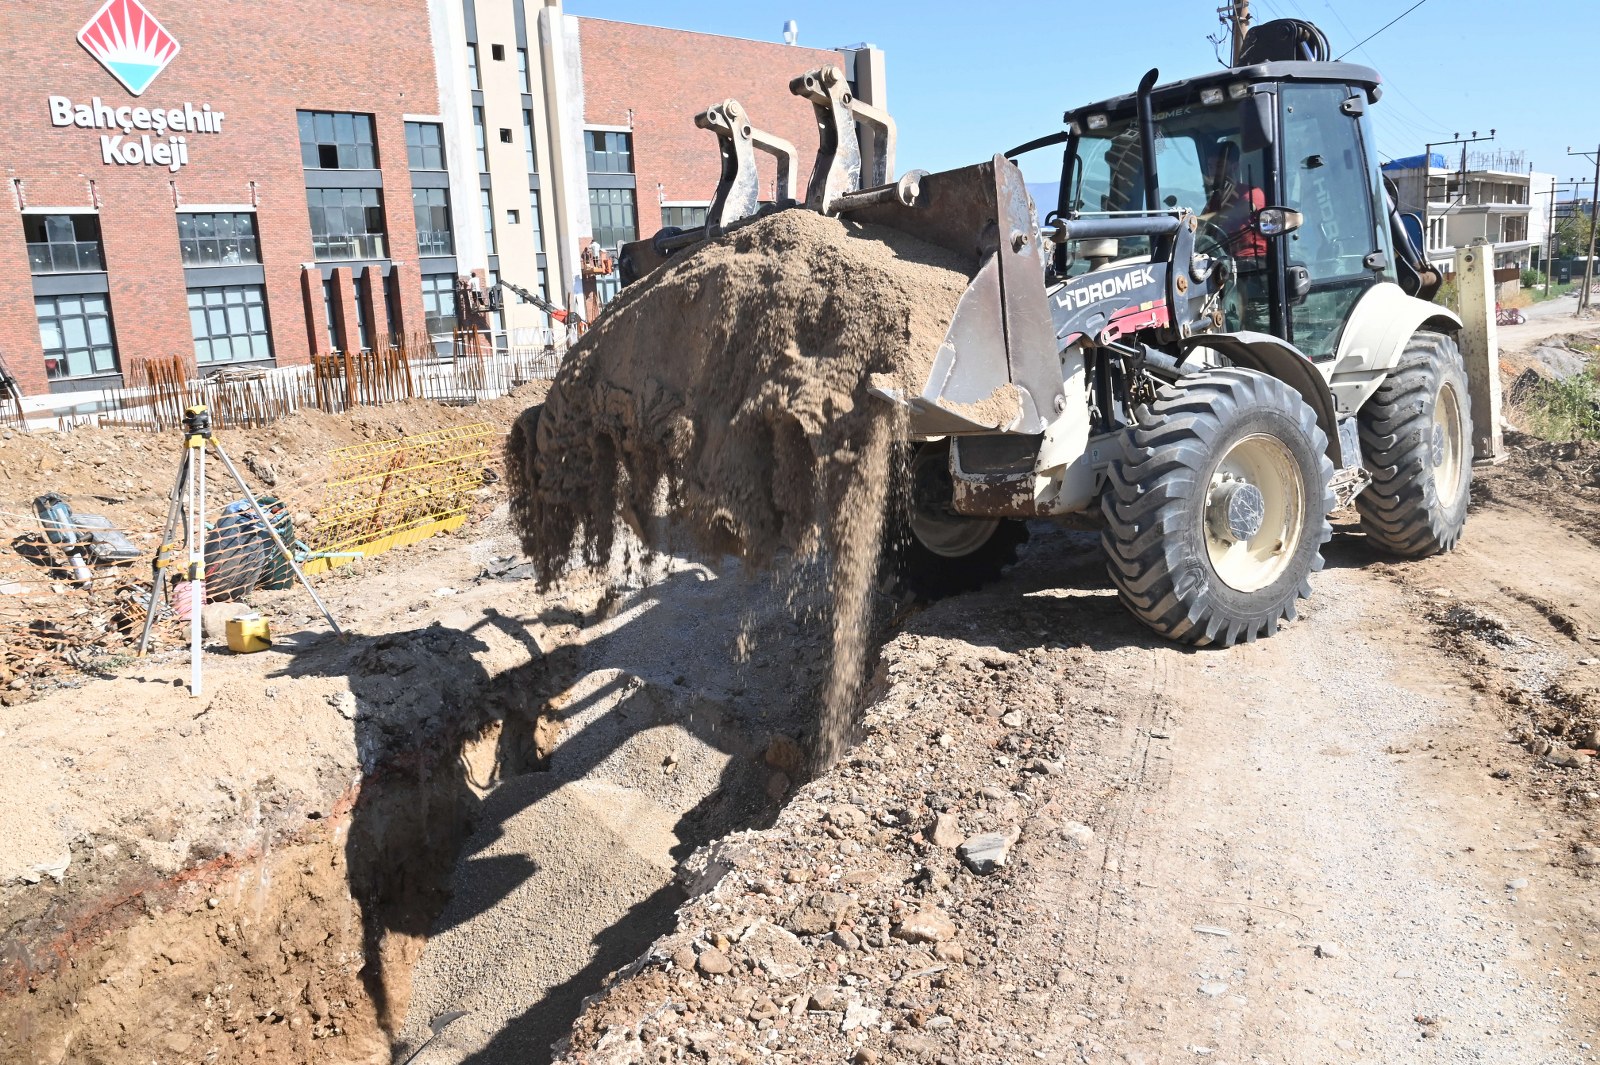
<point x="1277" y="221"/>
<point x="1299" y="279"/>
<point x="1413" y="227"/>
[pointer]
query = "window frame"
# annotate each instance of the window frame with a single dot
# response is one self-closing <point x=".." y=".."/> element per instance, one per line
<point x="327" y="130"/>
<point x="436" y="212"/>
<point x="226" y="307"/>
<point x="89" y="347"/>
<point x="193" y="245"/>
<point x="616" y="157"/>
<point x="370" y="243"/>
<point x="421" y="147"/>
<point x="86" y="234"/>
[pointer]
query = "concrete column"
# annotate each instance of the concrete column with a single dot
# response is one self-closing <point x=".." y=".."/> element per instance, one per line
<point x="315" y="307"/>
<point x="377" y="314"/>
<point x="407" y="285"/>
<point x="563" y="177"/>
<point x="345" y="329"/>
<point x="1480" y="348"/>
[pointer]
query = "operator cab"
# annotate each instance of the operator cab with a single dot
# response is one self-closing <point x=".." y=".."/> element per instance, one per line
<point x="1292" y="134"/>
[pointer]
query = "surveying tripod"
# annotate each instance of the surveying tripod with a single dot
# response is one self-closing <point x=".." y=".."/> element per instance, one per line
<point x="186" y="508"/>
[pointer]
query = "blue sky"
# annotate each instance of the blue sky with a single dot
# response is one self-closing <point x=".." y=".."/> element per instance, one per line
<point x="970" y="79"/>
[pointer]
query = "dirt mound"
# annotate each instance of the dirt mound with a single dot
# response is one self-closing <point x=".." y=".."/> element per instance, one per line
<point x="726" y="398"/>
<point x="1561" y="477"/>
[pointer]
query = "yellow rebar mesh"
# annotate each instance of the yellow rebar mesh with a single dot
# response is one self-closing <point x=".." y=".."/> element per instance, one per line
<point x="376" y="490"/>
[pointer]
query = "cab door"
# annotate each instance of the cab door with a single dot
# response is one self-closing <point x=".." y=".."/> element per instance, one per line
<point x="1339" y="251"/>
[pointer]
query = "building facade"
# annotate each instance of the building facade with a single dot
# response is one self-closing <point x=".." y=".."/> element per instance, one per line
<point x="1488" y="203"/>
<point x="249" y="185"/>
<point x="219" y="180"/>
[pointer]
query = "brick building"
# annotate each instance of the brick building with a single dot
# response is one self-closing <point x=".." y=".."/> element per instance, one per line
<point x="229" y="182"/>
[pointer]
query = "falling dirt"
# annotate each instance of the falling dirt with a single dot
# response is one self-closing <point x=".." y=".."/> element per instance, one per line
<point x="726" y="398"/>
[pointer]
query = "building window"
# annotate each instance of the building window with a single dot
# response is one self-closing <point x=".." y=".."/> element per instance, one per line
<point x="612" y="217"/>
<point x="337" y="140"/>
<point x="425" y="146"/>
<point x="391" y="306"/>
<point x="527" y="137"/>
<point x="488" y="221"/>
<point x="358" y="284"/>
<point x="505" y="136"/>
<point x="522" y="71"/>
<point x="221" y="239"/>
<point x="608" y="152"/>
<point x="480" y="140"/>
<point x="327" y="313"/>
<point x="432" y="210"/>
<point x="606" y="289"/>
<point x="63" y="243"/>
<point x="346" y="223"/>
<point x="76" y="334"/>
<point x="513" y="217"/>
<point x="229" y="323"/>
<point x="684" y="217"/>
<point x="497" y="52"/>
<point x="533" y="220"/>
<point x="439" y="303"/>
<point x="472" y="68"/>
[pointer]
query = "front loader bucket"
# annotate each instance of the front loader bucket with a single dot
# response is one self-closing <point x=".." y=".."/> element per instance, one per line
<point x="997" y="369"/>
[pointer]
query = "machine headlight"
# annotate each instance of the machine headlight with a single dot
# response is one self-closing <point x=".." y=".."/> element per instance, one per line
<point x="1238" y="91"/>
<point x="1211" y="97"/>
<point x="1097" y="121"/>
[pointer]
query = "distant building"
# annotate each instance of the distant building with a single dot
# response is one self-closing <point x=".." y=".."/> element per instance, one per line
<point x="1494" y="205"/>
<point x="248" y="185"/>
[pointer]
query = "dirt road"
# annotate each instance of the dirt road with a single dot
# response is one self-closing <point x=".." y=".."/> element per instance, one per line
<point x="1296" y="851"/>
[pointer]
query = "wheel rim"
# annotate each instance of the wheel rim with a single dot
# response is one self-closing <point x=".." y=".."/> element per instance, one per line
<point x="1255" y="512"/>
<point x="1448" y="444"/>
<point x="934" y="521"/>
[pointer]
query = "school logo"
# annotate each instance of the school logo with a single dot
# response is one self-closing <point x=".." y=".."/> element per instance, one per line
<point x="129" y="42"/>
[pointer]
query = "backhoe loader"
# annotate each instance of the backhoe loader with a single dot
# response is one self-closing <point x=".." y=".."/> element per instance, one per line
<point x="1218" y="335"/>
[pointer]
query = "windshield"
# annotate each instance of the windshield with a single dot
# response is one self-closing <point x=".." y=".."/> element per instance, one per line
<point x="1202" y="160"/>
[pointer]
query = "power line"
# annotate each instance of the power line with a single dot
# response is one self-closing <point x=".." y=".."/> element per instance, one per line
<point x="1385" y="26"/>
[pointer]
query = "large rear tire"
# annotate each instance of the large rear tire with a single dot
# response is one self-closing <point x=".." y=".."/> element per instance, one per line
<point x="1416" y="439"/>
<point x="933" y="552"/>
<point x="1217" y="508"/>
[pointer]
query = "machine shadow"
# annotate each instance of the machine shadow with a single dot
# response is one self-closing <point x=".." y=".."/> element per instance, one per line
<point x="431" y="805"/>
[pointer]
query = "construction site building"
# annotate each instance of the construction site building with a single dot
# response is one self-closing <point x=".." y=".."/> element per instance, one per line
<point x="230" y="183"/>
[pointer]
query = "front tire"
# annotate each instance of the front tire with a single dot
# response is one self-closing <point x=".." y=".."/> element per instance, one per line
<point x="933" y="552"/>
<point x="1217" y="508"/>
<point x="1416" y="438"/>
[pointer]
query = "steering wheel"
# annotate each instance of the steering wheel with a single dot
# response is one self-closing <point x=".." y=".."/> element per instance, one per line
<point x="1213" y="241"/>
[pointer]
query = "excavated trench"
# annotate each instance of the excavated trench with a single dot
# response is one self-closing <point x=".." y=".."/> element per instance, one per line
<point x="502" y="868"/>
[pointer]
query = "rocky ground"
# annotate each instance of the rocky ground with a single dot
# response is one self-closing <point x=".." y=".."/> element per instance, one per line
<point x="1374" y="837"/>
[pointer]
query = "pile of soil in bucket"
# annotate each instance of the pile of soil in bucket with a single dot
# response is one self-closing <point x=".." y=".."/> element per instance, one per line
<point x="721" y="407"/>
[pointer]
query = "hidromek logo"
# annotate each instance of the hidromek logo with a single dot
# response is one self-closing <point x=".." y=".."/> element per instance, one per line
<point x="129" y="42"/>
<point x="1078" y="297"/>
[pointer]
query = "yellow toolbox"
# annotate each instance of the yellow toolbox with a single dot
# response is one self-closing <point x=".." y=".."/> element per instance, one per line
<point x="248" y="633"/>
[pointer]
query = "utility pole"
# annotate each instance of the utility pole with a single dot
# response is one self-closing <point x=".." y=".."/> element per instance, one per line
<point x="1236" y="13"/>
<point x="1594" y="225"/>
<point x="1427" y="176"/>
<point x="1550" y="243"/>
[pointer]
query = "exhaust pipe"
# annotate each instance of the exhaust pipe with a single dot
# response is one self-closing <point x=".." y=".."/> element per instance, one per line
<point x="1147" y="140"/>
